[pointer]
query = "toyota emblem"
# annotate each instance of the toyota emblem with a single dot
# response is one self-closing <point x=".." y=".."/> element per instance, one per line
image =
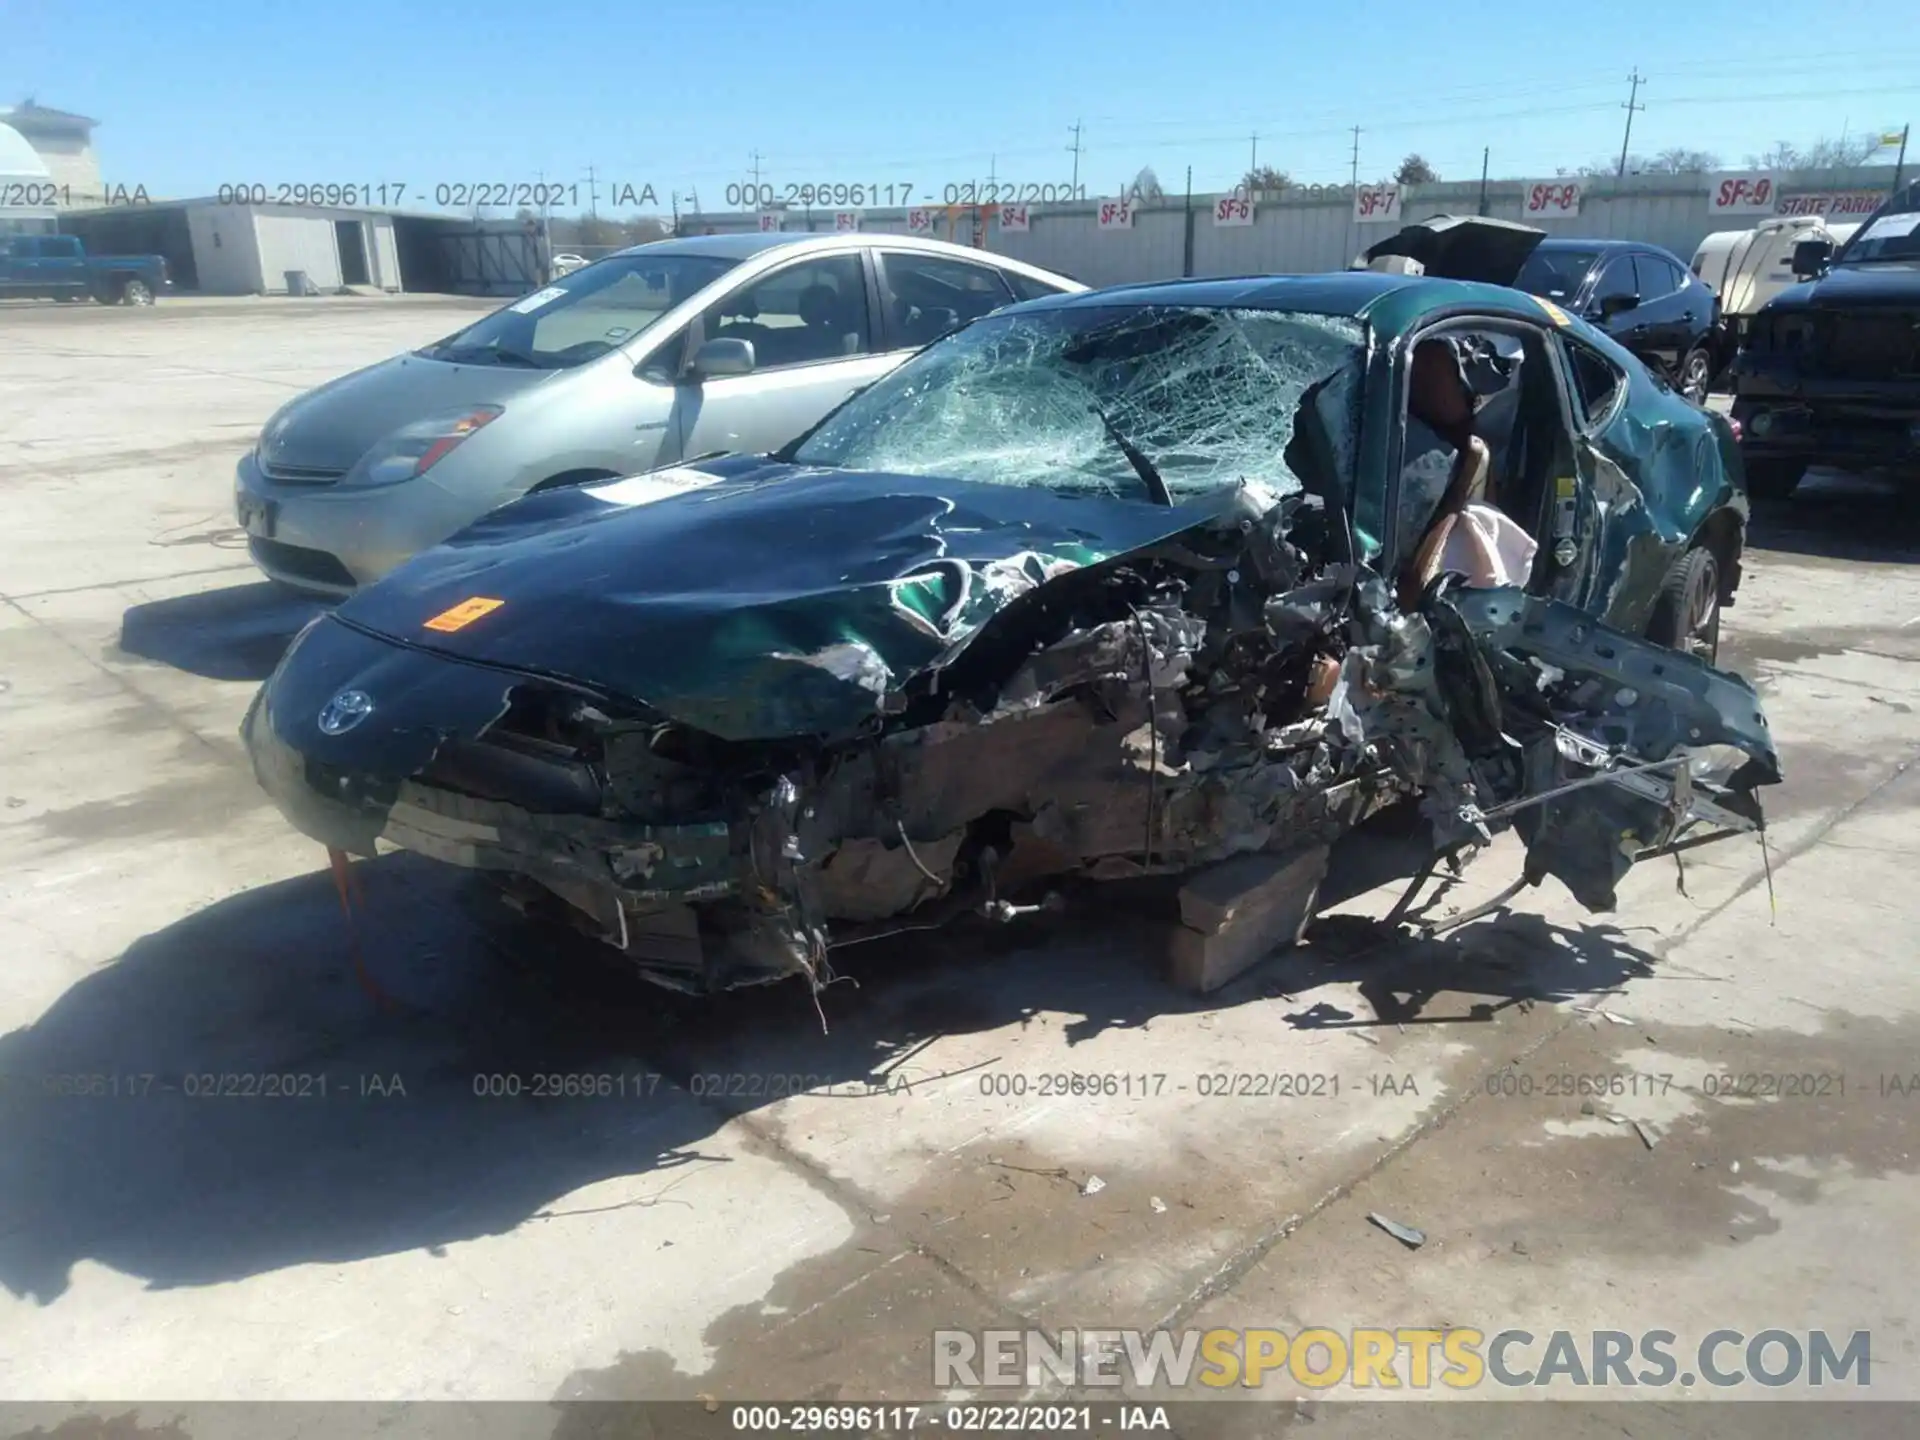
<point x="344" y="711"/>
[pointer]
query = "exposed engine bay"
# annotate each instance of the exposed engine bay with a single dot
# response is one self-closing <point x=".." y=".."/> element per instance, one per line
<point x="1245" y="685"/>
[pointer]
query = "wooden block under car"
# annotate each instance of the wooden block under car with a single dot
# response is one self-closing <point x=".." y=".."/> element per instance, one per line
<point x="1241" y="911"/>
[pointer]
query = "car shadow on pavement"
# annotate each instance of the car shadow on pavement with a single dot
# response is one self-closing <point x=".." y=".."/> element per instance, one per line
<point x="1842" y="517"/>
<point x="238" y="632"/>
<point x="235" y="1096"/>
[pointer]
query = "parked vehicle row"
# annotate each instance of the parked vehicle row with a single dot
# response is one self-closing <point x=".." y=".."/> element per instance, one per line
<point x="1095" y="584"/>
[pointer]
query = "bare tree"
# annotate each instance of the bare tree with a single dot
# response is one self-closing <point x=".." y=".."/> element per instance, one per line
<point x="1414" y="170"/>
<point x="1681" y="161"/>
<point x="1823" y="154"/>
<point x="1265" y="180"/>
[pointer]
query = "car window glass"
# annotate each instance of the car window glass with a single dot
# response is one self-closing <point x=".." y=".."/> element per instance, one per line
<point x="1596" y="379"/>
<point x="65" y="247"/>
<point x="1616" y="279"/>
<point x="1656" y="278"/>
<point x="1025" y="287"/>
<point x="929" y="295"/>
<point x="799" y="315"/>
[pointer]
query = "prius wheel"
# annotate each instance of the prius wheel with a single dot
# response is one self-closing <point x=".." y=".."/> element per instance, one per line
<point x="1686" y="616"/>
<point x="1696" y="376"/>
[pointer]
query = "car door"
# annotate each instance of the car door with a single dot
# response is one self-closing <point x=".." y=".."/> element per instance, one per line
<point x="1626" y="545"/>
<point x="811" y="325"/>
<point x="1614" y="297"/>
<point x="63" y="263"/>
<point x="924" y="296"/>
<point x="1659" y="321"/>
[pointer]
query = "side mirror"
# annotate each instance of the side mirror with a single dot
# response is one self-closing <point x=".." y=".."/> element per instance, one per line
<point x="719" y="358"/>
<point x="1811" y="258"/>
<point x="1611" y="305"/>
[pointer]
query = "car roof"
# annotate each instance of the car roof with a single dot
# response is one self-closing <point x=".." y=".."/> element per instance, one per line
<point x="1348" y="293"/>
<point x="742" y="245"/>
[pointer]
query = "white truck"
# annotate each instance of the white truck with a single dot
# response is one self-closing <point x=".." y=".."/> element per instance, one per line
<point x="1747" y="268"/>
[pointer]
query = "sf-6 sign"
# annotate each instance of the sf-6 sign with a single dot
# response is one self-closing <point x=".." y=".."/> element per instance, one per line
<point x="1376" y="202"/>
<point x="1550" y="198"/>
<point x="1234" y="209"/>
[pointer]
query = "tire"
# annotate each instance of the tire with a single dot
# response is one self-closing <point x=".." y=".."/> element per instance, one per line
<point x="1774" y="479"/>
<point x="1686" y="613"/>
<point x="1696" y="375"/>
<point x="135" y="291"/>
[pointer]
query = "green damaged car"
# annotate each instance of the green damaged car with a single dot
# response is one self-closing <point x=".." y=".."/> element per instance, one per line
<point x="1122" y="583"/>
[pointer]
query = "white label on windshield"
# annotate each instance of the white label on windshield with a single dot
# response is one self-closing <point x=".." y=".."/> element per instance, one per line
<point x="1889" y="227"/>
<point x="658" y="485"/>
<point x="537" y="299"/>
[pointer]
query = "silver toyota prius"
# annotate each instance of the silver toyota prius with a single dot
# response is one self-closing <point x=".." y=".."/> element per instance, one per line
<point x="679" y="348"/>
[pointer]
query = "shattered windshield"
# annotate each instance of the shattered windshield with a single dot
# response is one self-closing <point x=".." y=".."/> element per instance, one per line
<point x="1555" y="274"/>
<point x="1103" y="400"/>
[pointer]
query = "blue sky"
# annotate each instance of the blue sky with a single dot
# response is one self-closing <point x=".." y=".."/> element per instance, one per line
<point x="192" y="94"/>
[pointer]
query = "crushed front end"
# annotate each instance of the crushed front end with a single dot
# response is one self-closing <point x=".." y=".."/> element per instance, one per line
<point x="1241" y="685"/>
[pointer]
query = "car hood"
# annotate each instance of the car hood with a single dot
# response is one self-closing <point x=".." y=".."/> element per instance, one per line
<point x="1464" y="247"/>
<point x="1884" y="282"/>
<point x="748" y="598"/>
<point x="332" y="427"/>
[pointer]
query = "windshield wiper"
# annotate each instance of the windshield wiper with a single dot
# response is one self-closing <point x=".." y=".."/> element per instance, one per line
<point x="1143" y="467"/>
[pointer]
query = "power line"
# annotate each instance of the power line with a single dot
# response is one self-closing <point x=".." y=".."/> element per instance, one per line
<point x="1630" y="107"/>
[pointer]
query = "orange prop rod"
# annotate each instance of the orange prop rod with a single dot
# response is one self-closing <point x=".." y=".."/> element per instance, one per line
<point x="346" y="884"/>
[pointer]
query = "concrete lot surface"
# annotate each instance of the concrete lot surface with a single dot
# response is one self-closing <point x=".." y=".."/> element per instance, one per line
<point x="704" y="1230"/>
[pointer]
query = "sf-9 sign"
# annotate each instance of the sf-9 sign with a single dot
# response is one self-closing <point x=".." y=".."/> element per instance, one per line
<point x="1750" y="194"/>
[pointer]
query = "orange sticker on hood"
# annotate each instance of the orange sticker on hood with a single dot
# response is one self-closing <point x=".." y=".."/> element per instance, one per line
<point x="463" y="614"/>
<point x="1554" y="312"/>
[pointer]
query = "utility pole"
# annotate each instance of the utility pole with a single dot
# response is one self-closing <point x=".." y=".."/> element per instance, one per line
<point x="593" y="195"/>
<point x="1356" y="191"/>
<point x="754" y="156"/>
<point x="1629" y="107"/>
<point x="1253" y="156"/>
<point x="993" y="174"/>
<point x="1486" y="153"/>
<point x="1900" y="165"/>
<point x="1076" y="147"/>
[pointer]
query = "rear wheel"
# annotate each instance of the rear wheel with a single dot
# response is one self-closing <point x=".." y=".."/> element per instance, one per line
<point x="135" y="291"/>
<point x="1774" y="479"/>
<point x="1696" y="375"/>
<point x="1686" y="614"/>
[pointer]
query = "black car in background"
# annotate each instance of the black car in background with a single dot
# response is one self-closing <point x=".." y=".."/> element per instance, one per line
<point x="1640" y="295"/>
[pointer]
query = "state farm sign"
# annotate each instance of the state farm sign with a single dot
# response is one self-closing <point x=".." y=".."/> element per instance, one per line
<point x="1752" y="193"/>
<point x="1833" y="204"/>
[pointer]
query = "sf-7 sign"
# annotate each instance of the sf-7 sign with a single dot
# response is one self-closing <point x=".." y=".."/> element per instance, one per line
<point x="1376" y="202"/>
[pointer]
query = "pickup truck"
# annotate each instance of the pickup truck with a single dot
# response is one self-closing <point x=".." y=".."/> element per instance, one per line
<point x="1829" y="372"/>
<point x="58" y="267"/>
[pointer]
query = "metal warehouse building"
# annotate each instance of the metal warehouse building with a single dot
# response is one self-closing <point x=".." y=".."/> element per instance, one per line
<point x="233" y="249"/>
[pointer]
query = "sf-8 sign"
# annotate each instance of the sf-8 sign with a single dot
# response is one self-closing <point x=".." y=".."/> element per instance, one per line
<point x="1553" y="197"/>
<point x="1235" y="209"/>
